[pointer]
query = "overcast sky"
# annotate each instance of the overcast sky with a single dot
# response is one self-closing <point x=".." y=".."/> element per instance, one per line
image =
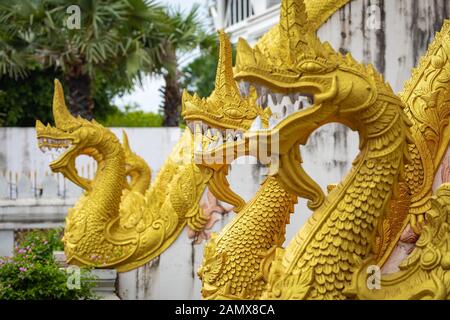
<point x="148" y="97"/>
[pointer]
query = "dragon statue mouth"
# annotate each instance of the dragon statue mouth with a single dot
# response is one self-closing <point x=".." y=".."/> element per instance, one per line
<point x="63" y="151"/>
<point x="280" y="109"/>
<point x="58" y="149"/>
<point x="281" y="105"/>
<point x="277" y="104"/>
<point x="63" y="141"/>
<point x="211" y="136"/>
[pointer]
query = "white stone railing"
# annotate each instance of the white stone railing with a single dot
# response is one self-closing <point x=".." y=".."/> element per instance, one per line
<point x="16" y="186"/>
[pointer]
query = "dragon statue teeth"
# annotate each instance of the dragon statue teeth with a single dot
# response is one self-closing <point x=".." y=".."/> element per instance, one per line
<point x="360" y="221"/>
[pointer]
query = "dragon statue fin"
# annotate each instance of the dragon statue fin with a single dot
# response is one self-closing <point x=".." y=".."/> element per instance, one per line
<point x="137" y="170"/>
<point x="427" y="99"/>
<point x="125" y="143"/>
<point x="426" y="96"/>
<point x="63" y="118"/>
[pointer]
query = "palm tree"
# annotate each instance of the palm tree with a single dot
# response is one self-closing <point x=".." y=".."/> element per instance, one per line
<point x="119" y="38"/>
<point x="186" y="33"/>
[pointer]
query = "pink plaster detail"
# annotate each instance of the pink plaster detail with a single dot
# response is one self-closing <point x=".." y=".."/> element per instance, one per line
<point x="214" y="211"/>
<point x="445" y="169"/>
<point x="403" y="248"/>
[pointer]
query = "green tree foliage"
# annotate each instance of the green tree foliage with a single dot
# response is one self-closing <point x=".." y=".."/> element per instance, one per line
<point x="20" y="98"/>
<point x="186" y="33"/>
<point x="133" y="117"/>
<point x="25" y="100"/>
<point x="118" y="38"/>
<point x="119" y="41"/>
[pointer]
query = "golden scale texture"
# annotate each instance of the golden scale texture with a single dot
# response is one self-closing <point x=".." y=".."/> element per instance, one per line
<point x="245" y="242"/>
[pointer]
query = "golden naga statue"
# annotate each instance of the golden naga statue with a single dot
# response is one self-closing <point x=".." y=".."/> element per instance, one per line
<point x="116" y="223"/>
<point x="385" y="197"/>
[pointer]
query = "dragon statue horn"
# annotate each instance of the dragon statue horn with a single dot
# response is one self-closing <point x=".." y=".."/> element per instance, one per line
<point x="224" y="76"/>
<point x="225" y="85"/>
<point x="225" y="107"/>
<point x="63" y="118"/>
<point x="126" y="144"/>
<point x="293" y="28"/>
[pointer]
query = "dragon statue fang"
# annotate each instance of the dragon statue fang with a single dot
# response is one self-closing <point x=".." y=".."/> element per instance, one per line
<point x="385" y="198"/>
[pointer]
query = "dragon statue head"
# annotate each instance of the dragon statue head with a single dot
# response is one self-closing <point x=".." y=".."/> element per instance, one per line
<point x="293" y="65"/>
<point x="306" y="84"/>
<point x="71" y="137"/>
<point x="222" y="117"/>
<point x="224" y="108"/>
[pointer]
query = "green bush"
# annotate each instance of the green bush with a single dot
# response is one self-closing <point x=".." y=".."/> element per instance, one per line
<point x="132" y="117"/>
<point x="43" y="242"/>
<point x="32" y="273"/>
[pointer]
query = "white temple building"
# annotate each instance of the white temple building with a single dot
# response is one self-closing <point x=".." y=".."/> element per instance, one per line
<point x="248" y="19"/>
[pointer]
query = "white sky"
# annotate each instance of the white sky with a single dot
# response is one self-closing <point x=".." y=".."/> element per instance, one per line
<point x="147" y="97"/>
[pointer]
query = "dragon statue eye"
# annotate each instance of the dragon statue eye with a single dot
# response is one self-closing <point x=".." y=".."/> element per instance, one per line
<point x="234" y="113"/>
<point x="312" y="66"/>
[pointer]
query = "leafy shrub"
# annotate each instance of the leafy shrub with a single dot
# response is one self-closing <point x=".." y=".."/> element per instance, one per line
<point x="22" y="102"/>
<point x="132" y="117"/>
<point x="33" y="274"/>
<point x="43" y="242"/>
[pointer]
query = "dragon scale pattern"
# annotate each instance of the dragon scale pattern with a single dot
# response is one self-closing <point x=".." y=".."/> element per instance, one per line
<point x="236" y="256"/>
<point x="343" y="231"/>
<point x="93" y="211"/>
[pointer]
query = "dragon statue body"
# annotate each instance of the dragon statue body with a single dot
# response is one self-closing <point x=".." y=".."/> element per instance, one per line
<point x="386" y="195"/>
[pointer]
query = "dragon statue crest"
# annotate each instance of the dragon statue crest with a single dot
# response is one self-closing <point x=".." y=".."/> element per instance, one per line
<point x="385" y="198"/>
